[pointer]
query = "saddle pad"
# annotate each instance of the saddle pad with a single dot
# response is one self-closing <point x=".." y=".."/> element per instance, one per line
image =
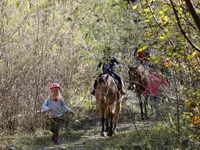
<point x="157" y="83"/>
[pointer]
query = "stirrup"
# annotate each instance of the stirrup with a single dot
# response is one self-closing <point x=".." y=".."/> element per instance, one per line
<point x="122" y="92"/>
<point x="130" y="87"/>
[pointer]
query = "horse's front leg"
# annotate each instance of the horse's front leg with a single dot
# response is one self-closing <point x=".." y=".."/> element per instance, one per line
<point x="145" y="106"/>
<point x="102" y="123"/>
<point x="116" y="116"/>
<point x="156" y="106"/>
<point x="141" y="106"/>
<point x="107" y="117"/>
<point x="110" y="130"/>
<point x="102" y="126"/>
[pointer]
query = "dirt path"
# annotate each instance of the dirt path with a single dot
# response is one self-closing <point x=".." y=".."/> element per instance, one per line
<point x="85" y="134"/>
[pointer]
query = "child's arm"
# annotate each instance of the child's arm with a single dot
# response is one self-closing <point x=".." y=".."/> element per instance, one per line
<point x="45" y="106"/>
<point x="64" y="107"/>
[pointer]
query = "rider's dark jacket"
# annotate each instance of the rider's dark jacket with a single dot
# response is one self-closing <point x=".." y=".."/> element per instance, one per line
<point x="108" y="65"/>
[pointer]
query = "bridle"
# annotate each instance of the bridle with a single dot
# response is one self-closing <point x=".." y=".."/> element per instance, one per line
<point x="102" y="94"/>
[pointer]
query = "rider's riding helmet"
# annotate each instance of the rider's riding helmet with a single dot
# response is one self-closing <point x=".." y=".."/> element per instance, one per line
<point x="54" y="85"/>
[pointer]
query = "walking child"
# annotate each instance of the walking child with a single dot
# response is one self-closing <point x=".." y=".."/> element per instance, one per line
<point x="56" y="106"/>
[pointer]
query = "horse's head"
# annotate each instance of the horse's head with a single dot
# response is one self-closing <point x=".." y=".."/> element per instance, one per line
<point x="133" y="75"/>
<point x="102" y="88"/>
<point x="137" y="77"/>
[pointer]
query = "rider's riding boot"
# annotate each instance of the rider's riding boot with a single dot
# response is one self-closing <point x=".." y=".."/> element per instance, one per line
<point x="129" y="87"/>
<point x="123" y="91"/>
<point x="52" y="137"/>
<point x="92" y="92"/>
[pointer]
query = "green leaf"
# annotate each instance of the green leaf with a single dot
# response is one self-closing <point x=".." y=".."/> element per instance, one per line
<point x="135" y="6"/>
<point x="156" y="59"/>
<point x="53" y="50"/>
<point x="143" y="47"/>
<point x="147" y="20"/>
<point x="191" y="56"/>
<point x="165" y="9"/>
<point x="197" y="10"/>
<point x="17" y="4"/>
<point x="197" y="44"/>
<point x="124" y="3"/>
<point x="78" y="12"/>
<point x="144" y="2"/>
<point x="97" y="8"/>
<point x="162" y="37"/>
<point x="146" y="10"/>
<point x="1" y="62"/>
<point x="165" y="19"/>
<point x="171" y="119"/>
<point x="174" y="54"/>
<point x="161" y="13"/>
<point x="150" y="16"/>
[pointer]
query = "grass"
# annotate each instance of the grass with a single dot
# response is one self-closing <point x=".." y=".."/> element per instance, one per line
<point x="154" y="137"/>
<point x="151" y="135"/>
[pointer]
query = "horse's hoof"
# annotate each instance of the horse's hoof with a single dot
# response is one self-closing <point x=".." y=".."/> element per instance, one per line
<point x="102" y="134"/>
<point x="114" y="132"/>
<point x="109" y="134"/>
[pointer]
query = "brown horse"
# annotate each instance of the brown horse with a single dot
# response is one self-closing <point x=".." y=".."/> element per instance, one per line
<point x="109" y="102"/>
<point x="138" y="83"/>
<point x="146" y="84"/>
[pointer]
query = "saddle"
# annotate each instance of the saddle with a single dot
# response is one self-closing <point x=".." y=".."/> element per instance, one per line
<point x="116" y="81"/>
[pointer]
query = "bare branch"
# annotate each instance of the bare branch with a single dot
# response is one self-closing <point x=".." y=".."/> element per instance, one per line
<point x="180" y="27"/>
<point x="151" y="10"/>
<point x="193" y="13"/>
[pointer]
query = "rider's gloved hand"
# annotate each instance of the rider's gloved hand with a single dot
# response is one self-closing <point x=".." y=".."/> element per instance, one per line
<point x="118" y="67"/>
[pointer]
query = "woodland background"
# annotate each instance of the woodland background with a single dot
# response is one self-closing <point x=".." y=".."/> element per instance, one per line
<point x="63" y="40"/>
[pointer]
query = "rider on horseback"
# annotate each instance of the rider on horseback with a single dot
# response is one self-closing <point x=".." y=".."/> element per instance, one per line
<point x="107" y="65"/>
<point x="142" y="56"/>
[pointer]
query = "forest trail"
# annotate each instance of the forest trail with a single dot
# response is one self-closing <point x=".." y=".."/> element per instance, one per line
<point x="85" y="134"/>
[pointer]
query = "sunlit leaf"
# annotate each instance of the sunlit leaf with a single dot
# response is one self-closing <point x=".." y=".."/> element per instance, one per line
<point x="150" y="16"/>
<point x="165" y="19"/>
<point x="161" y="13"/>
<point x="192" y="55"/>
<point x="78" y="12"/>
<point x="135" y="6"/>
<point x="147" y="34"/>
<point x="166" y="9"/>
<point x="143" y="47"/>
<point x="197" y="10"/>
<point x="146" y="10"/>
<point x="144" y="2"/>
<point x="174" y="54"/>
<point x="162" y="37"/>
<point x="147" y="20"/>
<point x="53" y="50"/>
<point x="97" y="8"/>
<point x="171" y="119"/>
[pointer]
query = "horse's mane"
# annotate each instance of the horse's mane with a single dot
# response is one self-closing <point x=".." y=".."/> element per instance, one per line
<point x="101" y="79"/>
